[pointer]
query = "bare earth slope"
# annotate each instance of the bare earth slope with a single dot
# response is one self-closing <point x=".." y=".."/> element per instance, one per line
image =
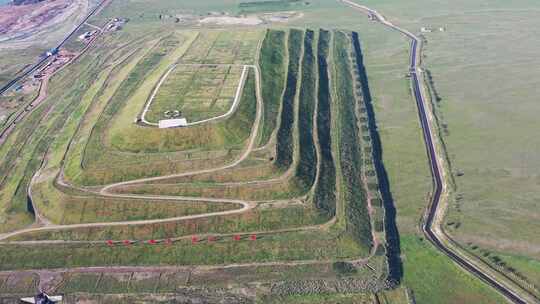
<point x="20" y="20"/>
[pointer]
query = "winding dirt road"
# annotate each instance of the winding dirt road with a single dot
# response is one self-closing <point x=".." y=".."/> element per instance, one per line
<point x="107" y="190"/>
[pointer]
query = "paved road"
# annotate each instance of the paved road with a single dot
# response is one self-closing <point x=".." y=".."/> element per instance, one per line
<point x="428" y="227"/>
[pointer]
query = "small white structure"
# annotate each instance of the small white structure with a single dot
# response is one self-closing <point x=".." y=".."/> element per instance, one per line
<point x="425" y="30"/>
<point x="172" y="123"/>
<point x="42" y="298"/>
<point x="87" y="35"/>
<point x="442" y="29"/>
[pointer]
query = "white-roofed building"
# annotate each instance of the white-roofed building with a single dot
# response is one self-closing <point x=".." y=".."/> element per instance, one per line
<point x="172" y="123"/>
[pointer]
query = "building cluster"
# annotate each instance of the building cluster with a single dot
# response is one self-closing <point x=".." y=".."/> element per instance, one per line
<point x="61" y="57"/>
<point x="116" y="24"/>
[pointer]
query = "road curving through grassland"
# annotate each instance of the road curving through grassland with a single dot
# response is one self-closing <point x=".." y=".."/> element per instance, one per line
<point x="431" y="225"/>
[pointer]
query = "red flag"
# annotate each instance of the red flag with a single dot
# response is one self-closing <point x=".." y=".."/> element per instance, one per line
<point x="194" y="239"/>
<point x="253" y="237"/>
<point x="236" y="237"/>
<point x="110" y="243"/>
<point x="127" y="242"/>
<point x="152" y="242"/>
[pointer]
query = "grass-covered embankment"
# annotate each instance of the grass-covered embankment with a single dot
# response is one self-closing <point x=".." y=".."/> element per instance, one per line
<point x="305" y="166"/>
<point x="287" y="246"/>
<point x="329" y="245"/>
<point x="285" y="142"/>
<point x="353" y="193"/>
<point x="62" y="205"/>
<point x="325" y="192"/>
<point x="109" y="165"/>
<point x="268" y="219"/>
<point x="307" y="163"/>
<point x="273" y="65"/>
<point x="63" y="100"/>
<point x="384" y="216"/>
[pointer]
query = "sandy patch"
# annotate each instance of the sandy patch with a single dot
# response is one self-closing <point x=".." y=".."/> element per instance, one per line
<point x="281" y="17"/>
<point x="228" y="20"/>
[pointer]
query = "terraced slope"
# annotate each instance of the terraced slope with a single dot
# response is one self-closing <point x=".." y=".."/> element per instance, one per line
<point x="286" y="179"/>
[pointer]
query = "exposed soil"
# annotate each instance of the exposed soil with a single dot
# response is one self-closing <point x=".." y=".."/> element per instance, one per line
<point x="229" y="20"/>
<point x="281" y="17"/>
<point x="276" y="17"/>
<point x="25" y="17"/>
<point x="26" y="2"/>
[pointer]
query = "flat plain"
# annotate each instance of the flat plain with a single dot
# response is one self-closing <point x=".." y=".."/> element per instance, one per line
<point x="486" y="90"/>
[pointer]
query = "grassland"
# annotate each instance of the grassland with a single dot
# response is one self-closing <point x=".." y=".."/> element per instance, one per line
<point x="496" y="197"/>
<point x="224" y="47"/>
<point x="196" y="92"/>
<point x="277" y="247"/>
<point x="271" y="5"/>
<point x="421" y="259"/>
<point x="329" y="298"/>
<point x="222" y="139"/>
<point x="481" y="113"/>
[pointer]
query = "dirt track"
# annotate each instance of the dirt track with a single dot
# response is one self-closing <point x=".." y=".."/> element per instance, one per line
<point x="106" y="191"/>
<point x="44" y="224"/>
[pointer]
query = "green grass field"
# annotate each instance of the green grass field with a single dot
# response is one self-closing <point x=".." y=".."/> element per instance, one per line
<point x="435" y="279"/>
<point x="494" y="201"/>
<point x="196" y="92"/>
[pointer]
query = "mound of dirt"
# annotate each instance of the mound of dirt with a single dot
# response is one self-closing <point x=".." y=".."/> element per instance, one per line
<point x="281" y="17"/>
<point x="26" y="2"/>
<point x="228" y="20"/>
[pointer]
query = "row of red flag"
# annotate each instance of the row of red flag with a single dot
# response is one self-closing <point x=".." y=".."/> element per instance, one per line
<point x="194" y="240"/>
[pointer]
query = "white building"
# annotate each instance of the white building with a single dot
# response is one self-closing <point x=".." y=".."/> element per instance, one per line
<point x="172" y="123"/>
